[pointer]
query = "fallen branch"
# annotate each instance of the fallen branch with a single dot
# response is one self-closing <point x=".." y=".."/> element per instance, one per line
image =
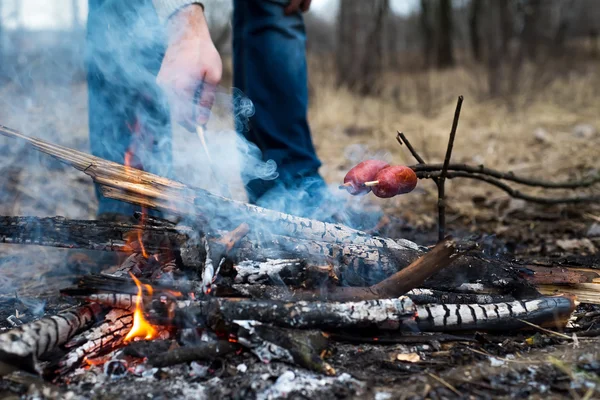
<point x="509" y="176"/>
<point x="512" y="192"/>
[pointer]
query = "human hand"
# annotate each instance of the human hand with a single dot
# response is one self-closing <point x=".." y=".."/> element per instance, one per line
<point x="191" y="68"/>
<point x="297" y="5"/>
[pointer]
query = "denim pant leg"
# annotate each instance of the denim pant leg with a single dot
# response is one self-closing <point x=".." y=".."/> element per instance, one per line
<point x="126" y="110"/>
<point x="269" y="57"/>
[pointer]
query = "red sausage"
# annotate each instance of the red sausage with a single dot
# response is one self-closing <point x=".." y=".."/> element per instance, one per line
<point x="394" y="180"/>
<point x="355" y="179"/>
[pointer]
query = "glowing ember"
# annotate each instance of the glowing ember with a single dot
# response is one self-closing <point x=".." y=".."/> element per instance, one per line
<point x="141" y="327"/>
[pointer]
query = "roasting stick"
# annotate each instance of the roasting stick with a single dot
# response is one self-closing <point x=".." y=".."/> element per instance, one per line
<point x="200" y="129"/>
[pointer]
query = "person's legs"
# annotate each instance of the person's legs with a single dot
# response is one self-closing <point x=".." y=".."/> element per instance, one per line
<point x="270" y="68"/>
<point x="126" y="109"/>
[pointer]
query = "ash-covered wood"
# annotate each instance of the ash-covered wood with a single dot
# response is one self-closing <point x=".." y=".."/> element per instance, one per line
<point x="21" y="347"/>
<point x="305" y="315"/>
<point x="101" y="339"/>
<point x="301" y="347"/>
<point x="88" y="234"/>
<point x="353" y="265"/>
<point x="545" y="311"/>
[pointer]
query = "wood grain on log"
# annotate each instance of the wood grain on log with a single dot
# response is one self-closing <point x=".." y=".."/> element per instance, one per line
<point x="20" y="347"/>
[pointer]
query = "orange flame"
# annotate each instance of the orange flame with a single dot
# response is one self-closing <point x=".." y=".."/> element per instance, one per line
<point x="141" y="327"/>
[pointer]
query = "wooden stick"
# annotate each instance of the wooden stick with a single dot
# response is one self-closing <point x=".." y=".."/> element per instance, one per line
<point x="371" y="183"/>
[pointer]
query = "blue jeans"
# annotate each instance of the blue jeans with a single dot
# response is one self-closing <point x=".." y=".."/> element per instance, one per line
<point x="127" y="110"/>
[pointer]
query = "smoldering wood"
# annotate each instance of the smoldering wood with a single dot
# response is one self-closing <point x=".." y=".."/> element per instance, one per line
<point x="101" y="339"/>
<point x="394" y="286"/>
<point x="88" y="234"/>
<point x="302" y="346"/>
<point x="353" y="265"/>
<point x="186" y="354"/>
<point x="21" y="347"/>
<point x="303" y="314"/>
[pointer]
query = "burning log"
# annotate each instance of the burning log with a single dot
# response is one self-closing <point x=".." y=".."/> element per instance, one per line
<point x="21" y="347"/>
<point x="104" y="338"/>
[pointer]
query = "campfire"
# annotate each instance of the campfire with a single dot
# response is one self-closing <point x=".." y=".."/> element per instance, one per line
<point x="235" y="280"/>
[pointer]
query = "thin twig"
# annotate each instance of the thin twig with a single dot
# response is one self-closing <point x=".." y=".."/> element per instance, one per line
<point x="443" y="382"/>
<point x="509" y="176"/>
<point x="512" y="192"/>
<point x="551" y="332"/>
<point x="440" y="182"/>
<point x="403" y="140"/>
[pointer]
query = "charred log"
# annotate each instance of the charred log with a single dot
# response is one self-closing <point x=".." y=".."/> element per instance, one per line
<point x="186" y="354"/>
<point x="21" y="347"/>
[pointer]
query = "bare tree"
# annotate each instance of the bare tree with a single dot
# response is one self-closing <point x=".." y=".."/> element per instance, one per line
<point x="427" y="30"/>
<point x="445" y="52"/>
<point x="360" y="47"/>
<point x="474" y="18"/>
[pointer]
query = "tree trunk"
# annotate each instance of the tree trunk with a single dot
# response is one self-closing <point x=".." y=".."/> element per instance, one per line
<point x="359" y="54"/>
<point x="475" y="13"/>
<point x="445" y="53"/>
<point x="426" y="31"/>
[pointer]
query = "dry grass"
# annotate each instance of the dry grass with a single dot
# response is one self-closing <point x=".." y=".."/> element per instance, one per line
<point x="496" y="132"/>
<point x="347" y="129"/>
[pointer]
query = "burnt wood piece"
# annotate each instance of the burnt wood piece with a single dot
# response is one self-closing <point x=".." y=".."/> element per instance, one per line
<point x="418" y="296"/>
<point x="551" y="312"/>
<point x="21" y="347"/>
<point x="149" y="190"/>
<point x="295" y="346"/>
<point x="394" y="286"/>
<point x="387" y="314"/>
<point x="353" y="265"/>
<point x="99" y="340"/>
<point x="302" y="314"/>
<point x="186" y="354"/>
<point x="87" y="234"/>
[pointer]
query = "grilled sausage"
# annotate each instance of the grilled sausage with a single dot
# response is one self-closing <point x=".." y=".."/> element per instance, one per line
<point x="394" y="180"/>
<point x="355" y="179"/>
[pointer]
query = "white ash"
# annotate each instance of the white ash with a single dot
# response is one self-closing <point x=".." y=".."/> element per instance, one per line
<point x="252" y="271"/>
<point x="265" y="351"/>
<point x="209" y="270"/>
<point x="305" y="383"/>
